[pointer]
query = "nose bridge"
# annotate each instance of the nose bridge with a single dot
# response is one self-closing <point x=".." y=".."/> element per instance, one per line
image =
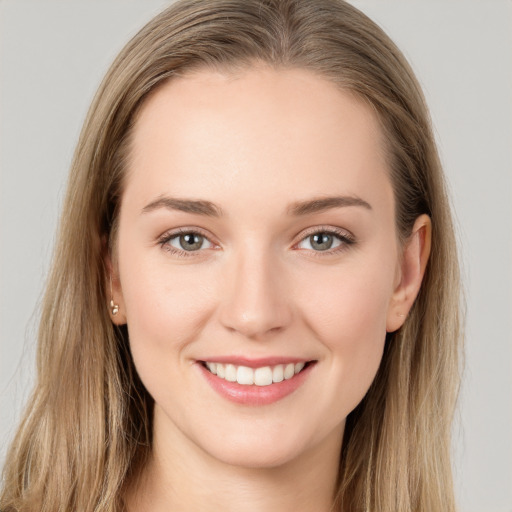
<point x="255" y="302"/>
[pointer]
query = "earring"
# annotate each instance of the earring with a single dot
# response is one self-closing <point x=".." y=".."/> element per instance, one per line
<point x="114" y="308"/>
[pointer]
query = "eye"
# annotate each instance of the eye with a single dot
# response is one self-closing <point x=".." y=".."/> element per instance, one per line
<point x="320" y="242"/>
<point x="325" y="241"/>
<point x="185" y="242"/>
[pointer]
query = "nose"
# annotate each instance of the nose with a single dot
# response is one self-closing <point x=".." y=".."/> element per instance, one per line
<point x="255" y="302"/>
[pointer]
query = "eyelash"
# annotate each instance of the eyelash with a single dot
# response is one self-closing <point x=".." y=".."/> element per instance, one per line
<point x="167" y="237"/>
<point x="346" y="239"/>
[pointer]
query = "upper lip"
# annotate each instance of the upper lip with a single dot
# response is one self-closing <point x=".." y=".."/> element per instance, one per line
<point x="254" y="362"/>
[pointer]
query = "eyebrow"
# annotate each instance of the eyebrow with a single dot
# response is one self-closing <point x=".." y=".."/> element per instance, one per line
<point x="321" y="204"/>
<point x="209" y="209"/>
<point x="199" y="207"/>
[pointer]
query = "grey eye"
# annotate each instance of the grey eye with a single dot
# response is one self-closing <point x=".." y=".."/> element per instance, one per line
<point x="321" y="241"/>
<point x="189" y="242"/>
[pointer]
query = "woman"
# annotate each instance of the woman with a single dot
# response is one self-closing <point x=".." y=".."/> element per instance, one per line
<point x="258" y="251"/>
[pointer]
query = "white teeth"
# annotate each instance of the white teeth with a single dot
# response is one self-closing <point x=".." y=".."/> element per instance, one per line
<point x="230" y="373"/>
<point x="289" y="371"/>
<point x="212" y="367"/>
<point x="263" y="376"/>
<point x="298" y="367"/>
<point x="278" y="373"/>
<point x="221" y="370"/>
<point x="245" y="375"/>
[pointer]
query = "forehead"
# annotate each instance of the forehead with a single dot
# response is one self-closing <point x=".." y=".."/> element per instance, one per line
<point x="286" y="133"/>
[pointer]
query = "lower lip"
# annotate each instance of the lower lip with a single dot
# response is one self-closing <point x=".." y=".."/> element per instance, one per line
<point x="255" y="395"/>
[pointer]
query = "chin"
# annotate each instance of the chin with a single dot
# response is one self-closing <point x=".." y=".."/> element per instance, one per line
<point x="255" y="456"/>
<point x="262" y="449"/>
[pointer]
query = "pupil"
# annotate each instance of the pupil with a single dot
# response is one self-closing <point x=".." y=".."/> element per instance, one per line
<point x="321" y="241"/>
<point x="191" y="241"/>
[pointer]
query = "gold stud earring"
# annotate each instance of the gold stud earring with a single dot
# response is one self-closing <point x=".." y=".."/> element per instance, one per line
<point x="114" y="308"/>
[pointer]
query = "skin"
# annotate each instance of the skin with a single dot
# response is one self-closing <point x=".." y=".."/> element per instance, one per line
<point x="254" y="144"/>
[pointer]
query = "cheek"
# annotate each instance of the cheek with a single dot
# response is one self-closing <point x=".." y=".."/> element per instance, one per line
<point x="165" y="305"/>
<point x="348" y="316"/>
<point x="350" y="306"/>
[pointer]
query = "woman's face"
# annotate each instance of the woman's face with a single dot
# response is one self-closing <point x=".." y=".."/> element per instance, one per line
<point x="257" y="236"/>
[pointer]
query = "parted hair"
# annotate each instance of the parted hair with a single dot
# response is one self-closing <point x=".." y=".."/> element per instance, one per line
<point x="87" y="429"/>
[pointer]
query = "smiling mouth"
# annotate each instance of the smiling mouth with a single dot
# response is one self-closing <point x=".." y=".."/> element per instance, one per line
<point x="262" y="376"/>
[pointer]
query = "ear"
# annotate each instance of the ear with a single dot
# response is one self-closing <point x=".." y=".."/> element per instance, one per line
<point x="416" y="252"/>
<point x="115" y="305"/>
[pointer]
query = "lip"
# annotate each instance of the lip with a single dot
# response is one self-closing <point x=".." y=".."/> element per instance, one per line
<point x="255" y="395"/>
<point x="255" y="362"/>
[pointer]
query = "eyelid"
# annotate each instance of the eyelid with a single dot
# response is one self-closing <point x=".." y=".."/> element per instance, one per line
<point x="326" y="229"/>
<point x="346" y="237"/>
<point x="164" y="238"/>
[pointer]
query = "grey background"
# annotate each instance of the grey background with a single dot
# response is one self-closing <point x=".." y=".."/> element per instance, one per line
<point x="52" y="57"/>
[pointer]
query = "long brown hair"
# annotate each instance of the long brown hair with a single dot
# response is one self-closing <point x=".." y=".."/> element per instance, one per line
<point x="87" y="428"/>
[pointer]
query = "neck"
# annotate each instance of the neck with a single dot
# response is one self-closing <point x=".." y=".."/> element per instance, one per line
<point x="181" y="476"/>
